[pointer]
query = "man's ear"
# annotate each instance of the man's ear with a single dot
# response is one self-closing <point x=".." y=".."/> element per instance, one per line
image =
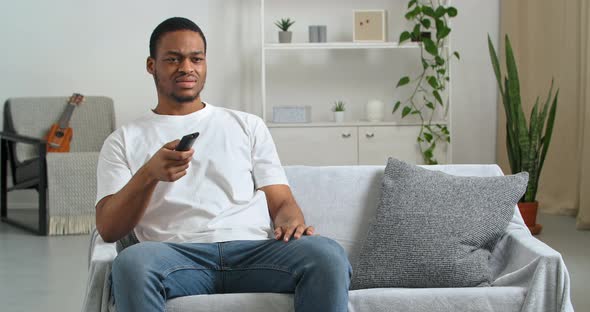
<point x="150" y="63"/>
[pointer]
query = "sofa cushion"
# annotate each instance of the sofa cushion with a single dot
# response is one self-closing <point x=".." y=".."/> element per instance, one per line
<point x="374" y="300"/>
<point x="433" y="229"/>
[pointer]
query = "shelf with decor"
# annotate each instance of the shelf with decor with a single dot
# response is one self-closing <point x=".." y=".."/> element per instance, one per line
<point x="345" y="124"/>
<point x="311" y="76"/>
<point x="340" y="45"/>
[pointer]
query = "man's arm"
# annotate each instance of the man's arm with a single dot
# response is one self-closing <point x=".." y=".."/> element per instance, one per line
<point x="119" y="213"/>
<point x="286" y="215"/>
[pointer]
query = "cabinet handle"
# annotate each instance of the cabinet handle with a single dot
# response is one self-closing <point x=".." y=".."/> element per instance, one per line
<point x="370" y="135"/>
<point x="346" y="135"/>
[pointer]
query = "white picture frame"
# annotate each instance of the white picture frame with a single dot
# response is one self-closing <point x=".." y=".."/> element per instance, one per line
<point x="369" y="25"/>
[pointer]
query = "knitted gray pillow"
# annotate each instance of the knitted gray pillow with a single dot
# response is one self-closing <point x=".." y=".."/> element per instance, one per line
<point x="433" y="229"/>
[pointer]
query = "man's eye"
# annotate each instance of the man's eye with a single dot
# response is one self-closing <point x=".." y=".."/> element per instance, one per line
<point x="197" y="59"/>
<point x="172" y="60"/>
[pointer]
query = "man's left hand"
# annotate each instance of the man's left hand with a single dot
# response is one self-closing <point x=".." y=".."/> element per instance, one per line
<point x="286" y="230"/>
<point x="285" y="213"/>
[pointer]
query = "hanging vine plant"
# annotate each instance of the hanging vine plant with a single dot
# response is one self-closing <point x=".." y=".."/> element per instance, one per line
<point x="429" y="88"/>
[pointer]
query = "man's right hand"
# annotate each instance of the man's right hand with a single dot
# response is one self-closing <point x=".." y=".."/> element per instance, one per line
<point x="167" y="164"/>
<point x="119" y="213"/>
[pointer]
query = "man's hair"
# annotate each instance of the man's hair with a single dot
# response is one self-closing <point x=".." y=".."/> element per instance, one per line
<point x="170" y="25"/>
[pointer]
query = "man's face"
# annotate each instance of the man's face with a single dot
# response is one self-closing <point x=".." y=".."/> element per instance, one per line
<point x="179" y="67"/>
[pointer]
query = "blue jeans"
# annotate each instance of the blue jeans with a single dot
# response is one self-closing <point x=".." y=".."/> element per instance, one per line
<point x="315" y="268"/>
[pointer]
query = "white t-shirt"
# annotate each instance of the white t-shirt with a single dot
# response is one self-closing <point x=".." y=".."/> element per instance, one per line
<point x="217" y="200"/>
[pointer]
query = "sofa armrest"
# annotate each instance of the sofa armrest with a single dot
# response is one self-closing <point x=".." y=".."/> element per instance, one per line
<point x="521" y="260"/>
<point x="101" y="256"/>
<point x="517" y="249"/>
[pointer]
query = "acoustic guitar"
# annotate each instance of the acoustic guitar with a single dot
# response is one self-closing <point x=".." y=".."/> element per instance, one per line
<point x="60" y="134"/>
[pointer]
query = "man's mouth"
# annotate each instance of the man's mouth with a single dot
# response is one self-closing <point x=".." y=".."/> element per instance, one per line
<point x="186" y="82"/>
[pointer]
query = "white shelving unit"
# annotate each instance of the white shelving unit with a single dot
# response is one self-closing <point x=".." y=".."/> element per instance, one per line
<point x="292" y="139"/>
<point x="345" y="124"/>
<point x="339" y="45"/>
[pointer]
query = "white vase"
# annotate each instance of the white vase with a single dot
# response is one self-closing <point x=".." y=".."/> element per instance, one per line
<point x="339" y="116"/>
<point x="374" y="110"/>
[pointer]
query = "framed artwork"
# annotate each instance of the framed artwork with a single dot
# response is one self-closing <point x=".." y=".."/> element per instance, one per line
<point x="369" y="26"/>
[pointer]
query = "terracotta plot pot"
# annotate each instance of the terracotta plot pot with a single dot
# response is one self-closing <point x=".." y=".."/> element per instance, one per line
<point x="528" y="210"/>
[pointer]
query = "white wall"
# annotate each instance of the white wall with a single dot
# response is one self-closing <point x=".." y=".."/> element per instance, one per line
<point x="93" y="47"/>
<point x="474" y="87"/>
<point x="100" y="47"/>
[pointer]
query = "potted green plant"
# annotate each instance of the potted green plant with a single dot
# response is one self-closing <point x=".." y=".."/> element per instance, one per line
<point x="285" y="35"/>
<point x="527" y="145"/>
<point x="429" y="25"/>
<point x="339" y="111"/>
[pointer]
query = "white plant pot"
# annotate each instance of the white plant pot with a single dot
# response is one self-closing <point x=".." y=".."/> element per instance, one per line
<point x="285" y="36"/>
<point x="339" y="116"/>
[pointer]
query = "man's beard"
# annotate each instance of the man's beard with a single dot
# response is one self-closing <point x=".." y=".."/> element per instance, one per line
<point x="176" y="97"/>
<point x="185" y="98"/>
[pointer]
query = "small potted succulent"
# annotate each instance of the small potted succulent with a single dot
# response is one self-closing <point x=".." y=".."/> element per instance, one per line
<point x="285" y="35"/>
<point x="339" y="111"/>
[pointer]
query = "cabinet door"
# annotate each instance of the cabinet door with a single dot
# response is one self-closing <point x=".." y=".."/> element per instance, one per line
<point x="376" y="144"/>
<point x="317" y="146"/>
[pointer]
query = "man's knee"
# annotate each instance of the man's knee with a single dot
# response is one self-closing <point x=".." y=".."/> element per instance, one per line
<point x="136" y="262"/>
<point x="327" y="255"/>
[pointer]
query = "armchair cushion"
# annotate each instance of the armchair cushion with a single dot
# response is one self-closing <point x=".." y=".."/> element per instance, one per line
<point x="433" y="229"/>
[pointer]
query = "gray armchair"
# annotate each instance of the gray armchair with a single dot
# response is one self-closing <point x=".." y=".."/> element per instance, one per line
<point x="65" y="182"/>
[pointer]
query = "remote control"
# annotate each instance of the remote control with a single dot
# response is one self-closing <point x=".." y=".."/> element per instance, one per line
<point x="187" y="142"/>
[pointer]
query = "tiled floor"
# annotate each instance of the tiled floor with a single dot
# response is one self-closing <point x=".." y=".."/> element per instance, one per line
<point x="49" y="273"/>
<point x="559" y="233"/>
<point x="41" y="273"/>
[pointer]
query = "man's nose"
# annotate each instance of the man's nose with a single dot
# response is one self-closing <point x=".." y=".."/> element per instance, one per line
<point x="186" y="66"/>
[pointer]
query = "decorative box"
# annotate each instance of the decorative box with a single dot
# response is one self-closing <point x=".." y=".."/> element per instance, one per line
<point x="291" y="114"/>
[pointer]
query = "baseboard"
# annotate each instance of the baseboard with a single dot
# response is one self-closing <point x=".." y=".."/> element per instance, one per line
<point x="562" y="211"/>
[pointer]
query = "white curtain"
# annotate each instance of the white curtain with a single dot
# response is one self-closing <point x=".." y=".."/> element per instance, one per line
<point x="550" y="40"/>
<point x="584" y="150"/>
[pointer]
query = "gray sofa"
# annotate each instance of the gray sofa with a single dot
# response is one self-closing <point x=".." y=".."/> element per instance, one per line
<point x="339" y="202"/>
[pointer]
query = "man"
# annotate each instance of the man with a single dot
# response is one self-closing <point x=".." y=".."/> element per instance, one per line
<point x="203" y="217"/>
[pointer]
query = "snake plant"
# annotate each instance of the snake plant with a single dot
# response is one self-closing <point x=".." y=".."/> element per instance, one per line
<point x="527" y="145"/>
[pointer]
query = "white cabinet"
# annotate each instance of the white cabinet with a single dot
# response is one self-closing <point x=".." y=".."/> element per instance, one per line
<point x="319" y="146"/>
<point x="376" y="144"/>
<point x="347" y="145"/>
